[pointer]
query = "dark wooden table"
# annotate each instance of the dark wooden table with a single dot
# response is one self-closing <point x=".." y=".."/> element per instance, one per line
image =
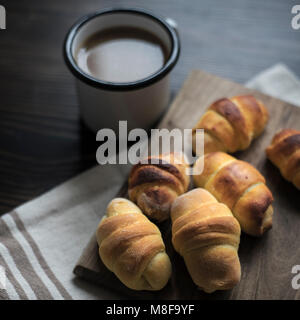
<point x="42" y="141"/>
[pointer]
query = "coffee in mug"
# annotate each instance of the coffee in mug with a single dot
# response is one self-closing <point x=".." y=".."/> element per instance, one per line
<point x="123" y="54"/>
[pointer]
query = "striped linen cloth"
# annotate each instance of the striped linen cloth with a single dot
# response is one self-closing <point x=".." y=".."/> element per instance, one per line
<point x="41" y="241"/>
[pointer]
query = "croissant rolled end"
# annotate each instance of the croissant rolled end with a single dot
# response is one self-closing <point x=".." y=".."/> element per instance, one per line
<point x="255" y="211"/>
<point x="284" y="153"/>
<point x="158" y="272"/>
<point x="228" y="284"/>
<point x="220" y="271"/>
<point x="156" y="202"/>
<point x="267" y="222"/>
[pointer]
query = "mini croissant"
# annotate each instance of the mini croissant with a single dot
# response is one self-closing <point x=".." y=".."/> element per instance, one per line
<point x="154" y="187"/>
<point x="231" y="124"/>
<point x="207" y="236"/>
<point x="132" y="247"/>
<point x="284" y="152"/>
<point x="241" y="187"/>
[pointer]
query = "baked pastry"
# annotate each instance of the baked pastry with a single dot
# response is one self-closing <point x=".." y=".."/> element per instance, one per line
<point x="284" y="152"/>
<point x="231" y="124"/>
<point x="207" y="236"/>
<point x="153" y="187"/>
<point x="132" y="247"/>
<point x="241" y="187"/>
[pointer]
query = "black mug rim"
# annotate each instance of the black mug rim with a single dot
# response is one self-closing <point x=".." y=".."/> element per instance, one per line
<point x="120" y="86"/>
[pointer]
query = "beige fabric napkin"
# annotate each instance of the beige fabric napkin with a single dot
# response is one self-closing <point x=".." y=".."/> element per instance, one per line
<point x="41" y="241"/>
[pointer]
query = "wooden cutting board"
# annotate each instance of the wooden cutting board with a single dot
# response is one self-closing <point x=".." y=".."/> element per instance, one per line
<point x="266" y="262"/>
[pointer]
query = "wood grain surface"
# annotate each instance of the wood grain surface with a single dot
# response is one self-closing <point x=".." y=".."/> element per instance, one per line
<point x="42" y="140"/>
<point x="267" y="261"/>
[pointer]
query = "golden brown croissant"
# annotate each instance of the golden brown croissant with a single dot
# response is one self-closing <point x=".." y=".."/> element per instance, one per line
<point x="284" y="152"/>
<point x="231" y="124"/>
<point x="241" y="187"/>
<point x="154" y="187"/>
<point x="207" y="236"/>
<point x="132" y="247"/>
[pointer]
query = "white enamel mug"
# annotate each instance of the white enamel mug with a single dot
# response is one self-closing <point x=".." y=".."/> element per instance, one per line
<point x="103" y="104"/>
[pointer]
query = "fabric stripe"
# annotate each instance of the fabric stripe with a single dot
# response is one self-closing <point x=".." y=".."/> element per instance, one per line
<point x="17" y="274"/>
<point x="20" y="259"/>
<point x="9" y="293"/>
<point x="40" y="257"/>
<point x="4" y="295"/>
<point x="20" y="292"/>
<point x="8" y="219"/>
